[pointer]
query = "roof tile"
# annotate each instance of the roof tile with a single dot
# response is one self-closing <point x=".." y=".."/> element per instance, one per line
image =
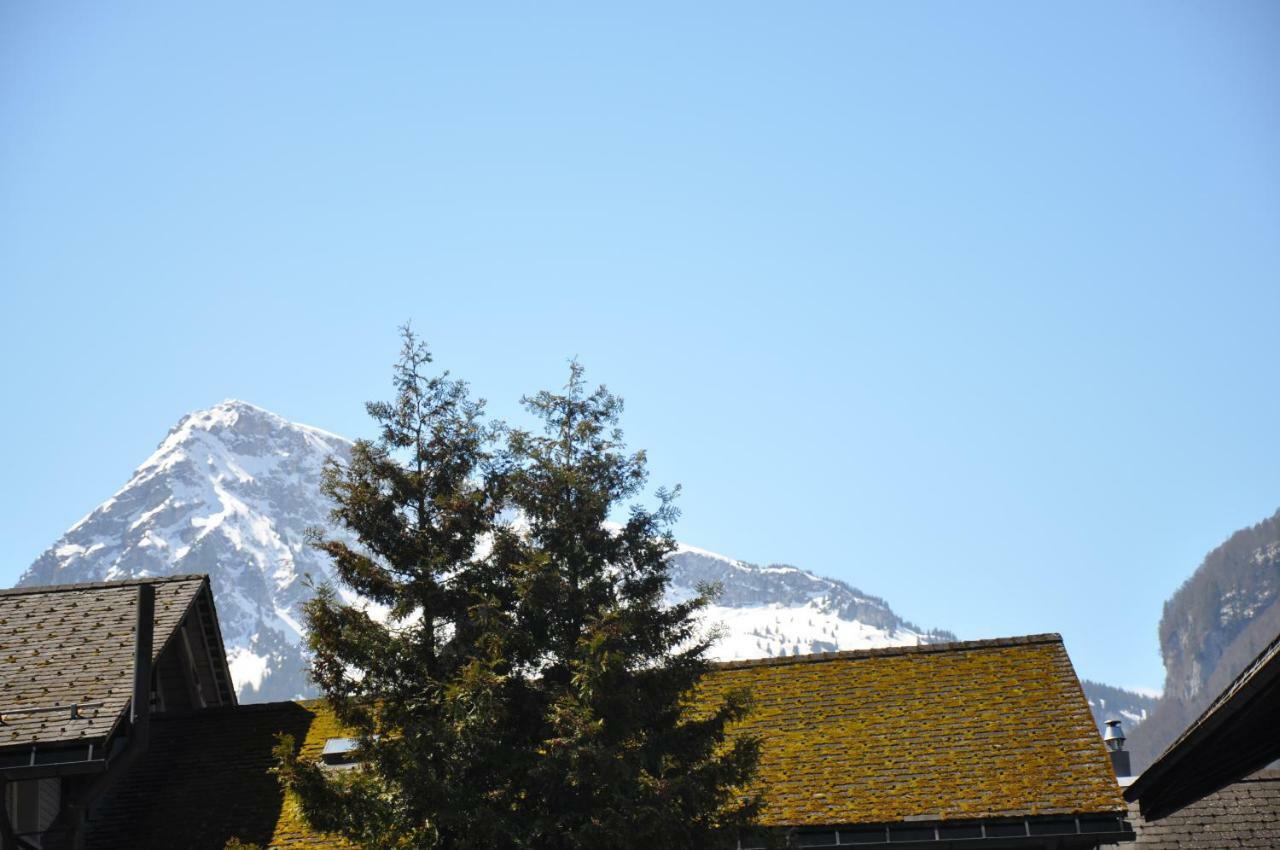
<point x="1245" y="814"/>
<point x="965" y="730"/>
<point x="74" y="644"/>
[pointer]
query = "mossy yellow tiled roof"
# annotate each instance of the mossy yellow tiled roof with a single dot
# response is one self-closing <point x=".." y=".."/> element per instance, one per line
<point x="981" y="729"/>
<point x="967" y="730"/>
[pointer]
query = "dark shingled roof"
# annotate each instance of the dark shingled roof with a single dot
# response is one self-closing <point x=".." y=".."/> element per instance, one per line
<point x="978" y="729"/>
<point x="74" y="643"/>
<point x="985" y="729"/>
<point x="206" y="778"/>
<point x="1244" y="814"/>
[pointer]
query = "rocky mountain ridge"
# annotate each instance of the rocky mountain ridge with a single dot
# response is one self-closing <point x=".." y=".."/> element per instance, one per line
<point x="231" y="491"/>
<point x="1212" y="627"/>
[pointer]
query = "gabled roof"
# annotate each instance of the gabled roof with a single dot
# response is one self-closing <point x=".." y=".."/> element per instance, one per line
<point x="961" y="731"/>
<point x="1235" y="736"/>
<point x="966" y="730"/>
<point x="74" y="643"/>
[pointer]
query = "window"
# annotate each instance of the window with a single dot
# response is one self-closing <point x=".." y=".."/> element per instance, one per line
<point x="32" y="805"/>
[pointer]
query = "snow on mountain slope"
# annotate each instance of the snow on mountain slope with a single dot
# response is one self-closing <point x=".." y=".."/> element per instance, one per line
<point x="232" y="490"/>
<point x="783" y="610"/>
<point x="1108" y="703"/>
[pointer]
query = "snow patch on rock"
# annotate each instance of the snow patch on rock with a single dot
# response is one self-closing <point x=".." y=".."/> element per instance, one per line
<point x="232" y="490"/>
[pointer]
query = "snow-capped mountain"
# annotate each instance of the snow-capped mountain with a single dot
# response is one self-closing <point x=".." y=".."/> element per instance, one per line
<point x="782" y="610"/>
<point x="232" y="490"/>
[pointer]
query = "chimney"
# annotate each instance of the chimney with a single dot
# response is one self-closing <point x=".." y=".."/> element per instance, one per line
<point x="1114" y="739"/>
<point x="143" y="637"/>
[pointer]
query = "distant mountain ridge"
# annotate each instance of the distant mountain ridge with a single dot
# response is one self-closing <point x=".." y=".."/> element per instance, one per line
<point x="1111" y="703"/>
<point x="783" y="610"/>
<point x="231" y="491"/>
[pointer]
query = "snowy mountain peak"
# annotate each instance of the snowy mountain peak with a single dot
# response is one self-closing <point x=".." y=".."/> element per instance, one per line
<point x="241" y="424"/>
<point x="232" y="490"/>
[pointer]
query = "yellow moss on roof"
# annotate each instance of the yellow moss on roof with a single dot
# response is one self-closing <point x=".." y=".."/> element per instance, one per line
<point x="967" y="730"/>
<point x="972" y="730"/>
<point x="291" y="829"/>
<point x="984" y="729"/>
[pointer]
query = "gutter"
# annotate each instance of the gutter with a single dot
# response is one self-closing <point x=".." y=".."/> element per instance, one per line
<point x="1035" y="831"/>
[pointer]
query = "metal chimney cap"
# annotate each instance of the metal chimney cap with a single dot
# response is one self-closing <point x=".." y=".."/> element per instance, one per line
<point x="1114" y="731"/>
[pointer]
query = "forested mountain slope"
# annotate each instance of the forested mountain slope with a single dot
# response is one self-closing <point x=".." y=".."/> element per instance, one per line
<point x="1214" y="625"/>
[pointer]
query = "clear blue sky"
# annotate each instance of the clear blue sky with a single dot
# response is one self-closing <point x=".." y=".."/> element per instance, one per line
<point x="974" y="305"/>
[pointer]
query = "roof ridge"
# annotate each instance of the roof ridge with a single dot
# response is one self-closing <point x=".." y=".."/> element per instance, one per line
<point x="880" y="652"/>
<point x="99" y="585"/>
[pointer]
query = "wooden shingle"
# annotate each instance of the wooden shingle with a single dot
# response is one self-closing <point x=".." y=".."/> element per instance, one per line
<point x="74" y="644"/>
<point x="1243" y="814"/>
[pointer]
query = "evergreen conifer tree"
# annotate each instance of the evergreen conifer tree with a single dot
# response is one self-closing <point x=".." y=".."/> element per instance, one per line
<point x="528" y="687"/>
<point x="617" y="760"/>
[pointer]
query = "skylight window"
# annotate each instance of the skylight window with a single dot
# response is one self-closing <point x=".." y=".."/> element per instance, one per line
<point x="340" y="751"/>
